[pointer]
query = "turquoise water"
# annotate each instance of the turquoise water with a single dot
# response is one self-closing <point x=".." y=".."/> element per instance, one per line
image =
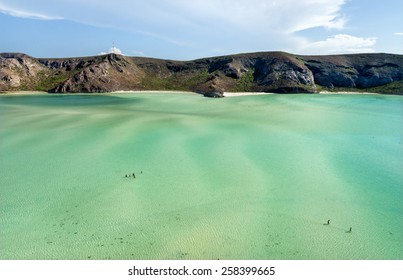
<point x="252" y="177"/>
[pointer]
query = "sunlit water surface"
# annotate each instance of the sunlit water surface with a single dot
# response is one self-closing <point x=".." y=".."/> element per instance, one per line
<point x="253" y="177"/>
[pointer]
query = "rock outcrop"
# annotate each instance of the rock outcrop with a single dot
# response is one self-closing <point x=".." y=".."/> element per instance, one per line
<point x="266" y="72"/>
<point x="355" y="71"/>
<point x="19" y="71"/>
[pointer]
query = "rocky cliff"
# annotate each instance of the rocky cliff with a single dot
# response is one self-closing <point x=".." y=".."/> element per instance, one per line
<point x="268" y="71"/>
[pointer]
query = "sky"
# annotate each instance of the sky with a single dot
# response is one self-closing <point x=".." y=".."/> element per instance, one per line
<point x="190" y="29"/>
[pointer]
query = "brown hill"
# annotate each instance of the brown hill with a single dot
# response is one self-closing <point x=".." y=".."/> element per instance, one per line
<point x="267" y="72"/>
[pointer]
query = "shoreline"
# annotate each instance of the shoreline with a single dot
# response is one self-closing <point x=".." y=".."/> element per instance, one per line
<point x="347" y="92"/>
<point x="235" y="94"/>
<point x="28" y="92"/>
<point x="151" y="91"/>
<point x="225" y="94"/>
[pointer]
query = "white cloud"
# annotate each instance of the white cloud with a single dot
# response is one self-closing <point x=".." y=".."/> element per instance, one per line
<point x="399" y="33"/>
<point x="138" y="53"/>
<point x="167" y="16"/>
<point x="282" y="16"/>
<point x="114" y="50"/>
<point x="340" y="43"/>
<point x="207" y="25"/>
<point x="26" y="14"/>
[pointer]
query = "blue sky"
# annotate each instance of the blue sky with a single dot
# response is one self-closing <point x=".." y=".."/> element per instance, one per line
<point x="189" y="29"/>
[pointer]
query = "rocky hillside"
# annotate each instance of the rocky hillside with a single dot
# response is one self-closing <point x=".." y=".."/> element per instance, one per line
<point x="268" y="71"/>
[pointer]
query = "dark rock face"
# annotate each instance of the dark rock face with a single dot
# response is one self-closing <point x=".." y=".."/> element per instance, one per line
<point x="91" y="79"/>
<point x="268" y="71"/>
<point x="234" y="69"/>
<point x="110" y="73"/>
<point x="284" y="75"/>
<point x="214" y="94"/>
<point x="356" y="71"/>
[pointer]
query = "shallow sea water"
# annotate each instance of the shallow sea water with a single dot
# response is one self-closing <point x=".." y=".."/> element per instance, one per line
<point x="251" y="177"/>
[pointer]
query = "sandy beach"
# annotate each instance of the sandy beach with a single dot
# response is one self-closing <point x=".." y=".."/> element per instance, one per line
<point x="226" y="94"/>
<point x="151" y="91"/>
<point x="22" y="92"/>
<point x="345" y="92"/>
<point x="232" y="94"/>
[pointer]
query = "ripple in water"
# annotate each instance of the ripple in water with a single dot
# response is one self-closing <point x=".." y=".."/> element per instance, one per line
<point x="178" y="176"/>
